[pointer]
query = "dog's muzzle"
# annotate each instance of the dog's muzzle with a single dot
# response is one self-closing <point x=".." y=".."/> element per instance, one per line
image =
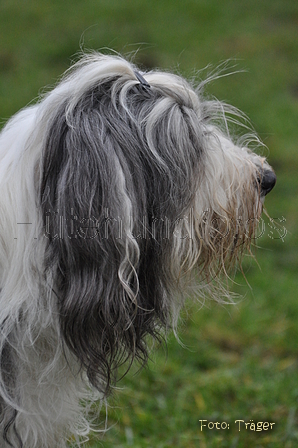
<point x="267" y="180"/>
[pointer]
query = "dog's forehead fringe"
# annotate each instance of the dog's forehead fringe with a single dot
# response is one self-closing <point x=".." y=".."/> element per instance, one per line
<point x="96" y="70"/>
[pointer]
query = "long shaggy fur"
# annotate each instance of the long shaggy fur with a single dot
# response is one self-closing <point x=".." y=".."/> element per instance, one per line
<point x="116" y="194"/>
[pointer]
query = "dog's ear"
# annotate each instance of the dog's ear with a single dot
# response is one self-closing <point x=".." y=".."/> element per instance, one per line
<point x="92" y="194"/>
<point x="111" y="178"/>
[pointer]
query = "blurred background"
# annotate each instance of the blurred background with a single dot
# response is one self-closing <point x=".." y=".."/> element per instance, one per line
<point x="238" y="362"/>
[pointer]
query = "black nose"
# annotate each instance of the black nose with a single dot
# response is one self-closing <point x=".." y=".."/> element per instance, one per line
<point x="267" y="181"/>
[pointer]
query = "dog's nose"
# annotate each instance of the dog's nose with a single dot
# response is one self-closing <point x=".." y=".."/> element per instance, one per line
<point x="267" y="181"/>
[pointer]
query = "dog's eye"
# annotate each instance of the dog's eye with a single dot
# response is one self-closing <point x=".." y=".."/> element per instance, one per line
<point x="205" y="113"/>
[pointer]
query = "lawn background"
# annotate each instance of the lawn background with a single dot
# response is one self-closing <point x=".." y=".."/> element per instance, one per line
<point x="238" y="362"/>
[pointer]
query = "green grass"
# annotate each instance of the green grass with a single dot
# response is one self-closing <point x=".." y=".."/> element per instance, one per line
<point x="240" y="362"/>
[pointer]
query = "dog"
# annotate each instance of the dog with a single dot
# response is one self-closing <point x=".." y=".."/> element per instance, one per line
<point x="121" y="193"/>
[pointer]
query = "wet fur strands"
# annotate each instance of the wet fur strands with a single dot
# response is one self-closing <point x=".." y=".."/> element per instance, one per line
<point x="120" y="193"/>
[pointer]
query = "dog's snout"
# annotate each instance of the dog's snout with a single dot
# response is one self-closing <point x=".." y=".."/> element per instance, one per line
<point x="267" y="181"/>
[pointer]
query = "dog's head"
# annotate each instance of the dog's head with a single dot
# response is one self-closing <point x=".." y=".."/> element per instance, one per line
<point x="139" y="187"/>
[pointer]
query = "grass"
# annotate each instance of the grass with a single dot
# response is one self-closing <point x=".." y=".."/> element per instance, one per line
<point x="240" y="362"/>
